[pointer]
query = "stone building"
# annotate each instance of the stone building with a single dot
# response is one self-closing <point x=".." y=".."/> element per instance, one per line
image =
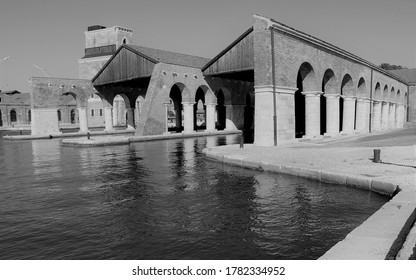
<point x="409" y="75"/>
<point x="277" y="81"/>
<point x="15" y="110"/>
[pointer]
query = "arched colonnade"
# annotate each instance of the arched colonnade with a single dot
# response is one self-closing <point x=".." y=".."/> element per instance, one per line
<point x="331" y="104"/>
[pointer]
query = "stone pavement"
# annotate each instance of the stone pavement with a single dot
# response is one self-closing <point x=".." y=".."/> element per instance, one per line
<point x="349" y="162"/>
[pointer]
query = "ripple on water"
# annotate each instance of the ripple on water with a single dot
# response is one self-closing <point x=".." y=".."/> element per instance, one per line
<point x="163" y="200"/>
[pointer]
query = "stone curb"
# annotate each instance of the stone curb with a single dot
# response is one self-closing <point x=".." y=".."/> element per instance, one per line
<point x="357" y="181"/>
<point x="127" y="140"/>
<point x="64" y="135"/>
<point x="381" y="236"/>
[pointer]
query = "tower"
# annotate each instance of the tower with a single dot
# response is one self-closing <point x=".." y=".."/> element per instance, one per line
<point x="100" y="44"/>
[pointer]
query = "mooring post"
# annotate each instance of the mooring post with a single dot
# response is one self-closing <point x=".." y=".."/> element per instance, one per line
<point x="88" y="135"/>
<point x="376" y="156"/>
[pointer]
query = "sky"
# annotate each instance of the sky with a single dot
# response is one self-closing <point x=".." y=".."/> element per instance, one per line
<point x="50" y="33"/>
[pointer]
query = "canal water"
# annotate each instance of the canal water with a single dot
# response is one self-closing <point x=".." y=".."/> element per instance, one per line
<point x="164" y="200"/>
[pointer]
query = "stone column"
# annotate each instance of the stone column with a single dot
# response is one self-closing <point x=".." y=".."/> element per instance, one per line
<point x="385" y="115"/>
<point x="312" y="113"/>
<point x="400" y="115"/>
<point x="376" y="121"/>
<point x="332" y="114"/>
<point x="367" y="108"/>
<point x="130" y="119"/>
<point x="83" y="119"/>
<point x="361" y="115"/>
<point x="188" y="118"/>
<point x="348" y="119"/>
<point x="210" y="117"/>
<point x="108" y="119"/>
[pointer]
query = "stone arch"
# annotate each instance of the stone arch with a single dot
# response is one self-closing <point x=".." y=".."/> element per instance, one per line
<point x="377" y="91"/>
<point x="329" y="86"/>
<point x="305" y="81"/>
<point x="223" y="97"/>
<point x="361" y="88"/>
<point x="175" y="94"/>
<point x="29" y="116"/>
<point x="121" y="105"/>
<point x="308" y="77"/>
<point x="226" y="95"/>
<point x="184" y="91"/>
<point x="385" y="93"/>
<point x="392" y="93"/>
<point x="398" y="96"/>
<point x="200" y="109"/>
<point x="74" y="95"/>
<point x="347" y="89"/>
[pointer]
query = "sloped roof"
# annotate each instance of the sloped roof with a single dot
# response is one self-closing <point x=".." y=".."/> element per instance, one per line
<point x="407" y="74"/>
<point x="171" y="57"/>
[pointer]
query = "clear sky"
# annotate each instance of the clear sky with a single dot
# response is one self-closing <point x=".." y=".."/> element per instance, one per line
<point x="50" y="33"/>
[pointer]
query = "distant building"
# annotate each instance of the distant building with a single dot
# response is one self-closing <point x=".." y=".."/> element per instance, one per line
<point x="15" y="110"/>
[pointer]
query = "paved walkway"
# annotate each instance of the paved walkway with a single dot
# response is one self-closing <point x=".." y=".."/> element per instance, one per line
<point x="349" y="161"/>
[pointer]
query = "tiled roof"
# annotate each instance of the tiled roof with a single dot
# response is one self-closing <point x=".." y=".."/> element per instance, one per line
<point x="171" y="57"/>
<point x="407" y="74"/>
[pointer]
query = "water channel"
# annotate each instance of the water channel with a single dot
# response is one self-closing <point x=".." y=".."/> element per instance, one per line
<point x="163" y="200"/>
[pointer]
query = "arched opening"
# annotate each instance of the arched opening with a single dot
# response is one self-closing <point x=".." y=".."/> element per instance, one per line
<point x="392" y="94"/>
<point x="328" y="87"/>
<point x="59" y="116"/>
<point x="346" y="90"/>
<point x="377" y="91"/>
<point x="385" y="93"/>
<point x="305" y="81"/>
<point x="124" y="41"/>
<point x="29" y="116"/>
<point x="120" y="105"/>
<point x="1" y="119"/>
<point x="221" y="111"/>
<point x="176" y="96"/>
<point x="199" y="110"/>
<point x="398" y="96"/>
<point x="73" y="116"/>
<point x="13" y="116"/>
<point x="361" y="91"/>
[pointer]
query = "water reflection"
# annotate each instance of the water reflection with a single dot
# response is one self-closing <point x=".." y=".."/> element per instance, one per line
<point x="163" y="200"/>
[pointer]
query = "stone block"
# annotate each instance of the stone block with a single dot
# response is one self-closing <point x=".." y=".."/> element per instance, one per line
<point x="333" y="178"/>
<point x="384" y="187"/>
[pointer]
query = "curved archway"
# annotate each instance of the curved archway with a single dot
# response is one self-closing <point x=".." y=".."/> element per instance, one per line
<point x="13" y="116"/>
<point x="398" y="96"/>
<point x="361" y="88"/>
<point x="59" y="116"/>
<point x="1" y="119"/>
<point x="121" y="108"/>
<point x="29" y="116"/>
<point x="347" y="89"/>
<point x="199" y="110"/>
<point x="306" y="81"/>
<point x="175" y="95"/>
<point x="385" y="93"/>
<point x="377" y="90"/>
<point x="329" y="87"/>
